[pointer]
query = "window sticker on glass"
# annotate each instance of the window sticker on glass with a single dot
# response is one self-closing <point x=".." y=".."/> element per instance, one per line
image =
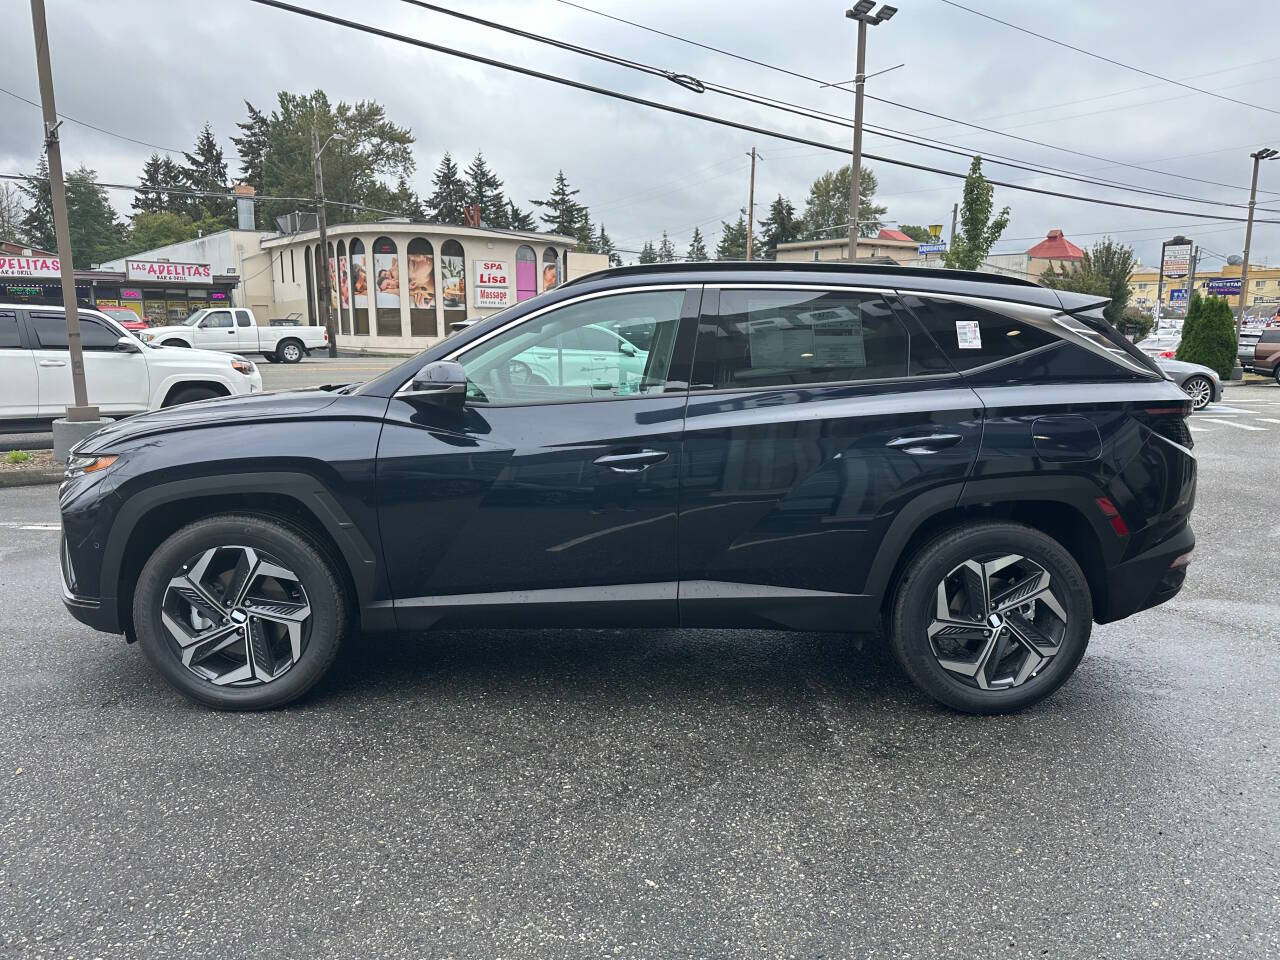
<point x="837" y="336"/>
<point x="968" y="335"/>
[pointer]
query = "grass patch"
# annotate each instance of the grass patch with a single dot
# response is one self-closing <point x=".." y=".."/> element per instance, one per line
<point x="17" y="456"/>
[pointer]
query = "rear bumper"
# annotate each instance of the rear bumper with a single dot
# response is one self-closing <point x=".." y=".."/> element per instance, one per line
<point x="1147" y="580"/>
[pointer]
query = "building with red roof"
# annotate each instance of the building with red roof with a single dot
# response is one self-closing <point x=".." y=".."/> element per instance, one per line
<point x="1054" y="250"/>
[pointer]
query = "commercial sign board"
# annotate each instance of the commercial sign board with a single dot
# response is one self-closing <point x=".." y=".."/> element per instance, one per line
<point x="1177" y="260"/>
<point x="492" y="284"/>
<point x="926" y="248"/>
<point x="1224" y="286"/>
<point x="49" y="267"/>
<point x="1180" y="294"/>
<point x="167" y="271"/>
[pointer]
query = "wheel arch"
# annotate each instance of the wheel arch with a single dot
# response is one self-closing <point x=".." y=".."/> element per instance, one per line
<point x="297" y="500"/>
<point x="179" y="385"/>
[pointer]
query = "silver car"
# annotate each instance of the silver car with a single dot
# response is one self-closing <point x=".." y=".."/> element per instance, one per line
<point x="1198" y="382"/>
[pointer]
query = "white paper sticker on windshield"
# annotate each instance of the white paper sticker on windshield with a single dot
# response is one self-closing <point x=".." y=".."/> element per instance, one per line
<point x="968" y="335"/>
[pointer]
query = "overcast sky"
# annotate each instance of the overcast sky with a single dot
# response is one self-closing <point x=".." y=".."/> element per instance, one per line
<point x="156" y="70"/>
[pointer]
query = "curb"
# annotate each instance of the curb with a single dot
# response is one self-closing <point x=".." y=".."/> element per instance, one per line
<point x="32" y="479"/>
<point x="36" y="441"/>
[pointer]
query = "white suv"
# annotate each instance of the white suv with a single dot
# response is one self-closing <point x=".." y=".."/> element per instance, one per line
<point x="124" y="375"/>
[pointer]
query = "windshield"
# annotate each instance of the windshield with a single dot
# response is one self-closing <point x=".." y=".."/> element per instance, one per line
<point x="195" y="318"/>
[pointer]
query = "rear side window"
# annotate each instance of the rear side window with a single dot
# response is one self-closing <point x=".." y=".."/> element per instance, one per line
<point x="8" y="329"/>
<point x="972" y="337"/>
<point x="781" y="337"/>
<point x="50" y="330"/>
<point x="1270" y="336"/>
<point x="242" y="316"/>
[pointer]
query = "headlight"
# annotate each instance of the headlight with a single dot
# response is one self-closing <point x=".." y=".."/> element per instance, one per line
<point x="243" y="366"/>
<point x="146" y="337"/>
<point x="78" y="466"/>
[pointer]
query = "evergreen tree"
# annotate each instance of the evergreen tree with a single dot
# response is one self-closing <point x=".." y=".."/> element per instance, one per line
<point x="563" y="213"/>
<point x="37" y="222"/>
<point x="518" y="219"/>
<point x="666" y="249"/>
<point x="978" y="230"/>
<point x="604" y="244"/>
<point x="206" y="170"/>
<point x="697" y="247"/>
<point x="150" y="229"/>
<point x="484" y="190"/>
<point x="449" y="195"/>
<point x="96" y="231"/>
<point x="251" y="148"/>
<point x="405" y="201"/>
<point x="171" y="176"/>
<point x="585" y="232"/>
<point x="151" y="197"/>
<point x="647" y="253"/>
<point x="826" y="211"/>
<point x="1211" y="338"/>
<point x="781" y="226"/>
<point x="733" y="239"/>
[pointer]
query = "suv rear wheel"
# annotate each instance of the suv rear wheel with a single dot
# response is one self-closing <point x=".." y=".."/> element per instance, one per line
<point x="991" y="617"/>
<point x="240" y="612"/>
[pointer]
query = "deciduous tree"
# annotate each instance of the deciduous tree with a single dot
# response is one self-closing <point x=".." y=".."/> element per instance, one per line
<point x="826" y="211"/>
<point x="978" y="230"/>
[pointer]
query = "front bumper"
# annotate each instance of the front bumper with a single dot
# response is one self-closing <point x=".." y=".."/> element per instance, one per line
<point x="1147" y="580"/>
<point x="97" y="612"/>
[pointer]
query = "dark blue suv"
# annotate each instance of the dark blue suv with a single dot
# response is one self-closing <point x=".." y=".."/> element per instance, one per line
<point x="982" y="465"/>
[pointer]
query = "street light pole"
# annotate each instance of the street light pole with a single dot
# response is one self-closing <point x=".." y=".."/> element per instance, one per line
<point x="81" y="412"/>
<point x="326" y="304"/>
<point x="751" y="201"/>
<point x="861" y="12"/>
<point x="1265" y="154"/>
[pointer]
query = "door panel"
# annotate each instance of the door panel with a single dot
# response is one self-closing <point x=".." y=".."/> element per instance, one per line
<point x="787" y="491"/>
<point x="19" y="391"/>
<point x="117" y="382"/>
<point x="217" y="331"/>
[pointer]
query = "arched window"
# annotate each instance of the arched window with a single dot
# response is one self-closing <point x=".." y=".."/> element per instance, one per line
<point x="344" y="289"/>
<point x="550" y="269"/>
<point x="526" y="273"/>
<point x="422" y="289"/>
<point x="359" y="288"/>
<point x="386" y="275"/>
<point x="453" y="282"/>
<point x="311" y="294"/>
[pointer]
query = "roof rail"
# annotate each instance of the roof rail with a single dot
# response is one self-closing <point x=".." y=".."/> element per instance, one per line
<point x="801" y="266"/>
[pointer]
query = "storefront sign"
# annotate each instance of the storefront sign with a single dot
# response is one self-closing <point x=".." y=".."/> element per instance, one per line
<point x="217" y="295"/>
<point x="927" y="248"/>
<point x="167" y="271"/>
<point x="30" y="267"/>
<point x="130" y="293"/>
<point x="1177" y="260"/>
<point x="492" y="283"/>
<point x="1179" y="294"/>
<point x="1224" y="286"/>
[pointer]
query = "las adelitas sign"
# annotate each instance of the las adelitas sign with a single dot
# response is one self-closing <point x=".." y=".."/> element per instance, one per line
<point x="46" y="267"/>
<point x="167" y="271"/>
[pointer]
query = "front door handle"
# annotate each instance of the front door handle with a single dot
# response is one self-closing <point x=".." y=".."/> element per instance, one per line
<point x="53" y="363"/>
<point x="927" y="443"/>
<point x="631" y="461"/>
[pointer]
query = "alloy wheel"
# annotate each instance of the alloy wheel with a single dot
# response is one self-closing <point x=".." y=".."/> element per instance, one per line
<point x="997" y="622"/>
<point x="291" y="353"/>
<point x="237" y="615"/>
<point x="1200" y="391"/>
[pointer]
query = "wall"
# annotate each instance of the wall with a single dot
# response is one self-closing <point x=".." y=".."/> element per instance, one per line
<point x="237" y="252"/>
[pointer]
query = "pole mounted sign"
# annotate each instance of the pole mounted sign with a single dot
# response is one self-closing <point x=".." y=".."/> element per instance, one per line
<point x="167" y="271"/>
<point x="492" y="284"/>
<point x="1178" y="294"/>
<point x="1177" y="260"/>
<point x="927" y="248"/>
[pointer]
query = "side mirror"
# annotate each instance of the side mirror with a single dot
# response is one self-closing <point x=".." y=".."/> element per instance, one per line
<point x="626" y="349"/>
<point x="128" y="345"/>
<point x="441" y="382"/>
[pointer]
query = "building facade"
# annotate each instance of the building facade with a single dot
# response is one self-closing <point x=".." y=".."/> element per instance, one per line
<point x="1262" y="301"/>
<point x="889" y="243"/>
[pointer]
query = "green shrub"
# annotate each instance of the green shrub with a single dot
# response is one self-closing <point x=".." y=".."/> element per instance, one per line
<point x="1209" y="335"/>
<point x="17" y="456"/>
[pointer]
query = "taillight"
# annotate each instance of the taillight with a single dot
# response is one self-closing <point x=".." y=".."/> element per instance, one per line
<point x="1113" y="516"/>
<point x="1169" y="420"/>
<point x="1168" y="354"/>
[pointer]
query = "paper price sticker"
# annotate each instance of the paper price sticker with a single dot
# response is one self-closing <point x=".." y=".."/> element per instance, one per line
<point x="968" y="335"/>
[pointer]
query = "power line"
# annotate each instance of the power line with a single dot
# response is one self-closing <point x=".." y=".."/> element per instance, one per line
<point x="693" y="114"/>
<point x="1105" y="59"/>
<point x="84" y="123"/>
<point x="812" y="113"/>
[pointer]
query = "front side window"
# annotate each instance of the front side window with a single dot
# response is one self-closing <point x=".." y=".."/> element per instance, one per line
<point x="582" y="351"/>
<point x="216" y="320"/>
<point x="781" y="337"/>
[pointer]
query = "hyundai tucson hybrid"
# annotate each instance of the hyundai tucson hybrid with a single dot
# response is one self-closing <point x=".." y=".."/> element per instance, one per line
<point x="981" y="465"/>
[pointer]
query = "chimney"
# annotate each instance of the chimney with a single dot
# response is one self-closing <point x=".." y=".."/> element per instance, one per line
<point x="244" y="206"/>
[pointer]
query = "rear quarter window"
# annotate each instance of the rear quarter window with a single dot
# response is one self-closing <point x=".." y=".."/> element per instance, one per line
<point x="971" y="337"/>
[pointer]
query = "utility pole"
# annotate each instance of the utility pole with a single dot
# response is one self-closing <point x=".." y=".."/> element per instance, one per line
<point x="1160" y="285"/>
<point x="861" y="12"/>
<point x="955" y="213"/>
<point x="326" y="305"/>
<point x="751" y="202"/>
<point x="1191" y="276"/>
<point x="1267" y="153"/>
<point x="81" y="412"/>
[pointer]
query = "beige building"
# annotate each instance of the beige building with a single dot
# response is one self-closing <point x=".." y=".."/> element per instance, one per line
<point x="889" y="243"/>
<point x="1263" y="298"/>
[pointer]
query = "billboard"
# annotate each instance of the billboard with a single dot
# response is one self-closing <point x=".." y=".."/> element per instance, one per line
<point x="1177" y="260"/>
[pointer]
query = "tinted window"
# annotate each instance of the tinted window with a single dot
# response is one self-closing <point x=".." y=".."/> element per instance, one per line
<point x="51" y="332"/>
<point x="775" y="337"/>
<point x="242" y="318"/>
<point x="972" y="337"/>
<point x="8" y="329"/>
<point x="547" y="359"/>
<point x="1270" y="336"/>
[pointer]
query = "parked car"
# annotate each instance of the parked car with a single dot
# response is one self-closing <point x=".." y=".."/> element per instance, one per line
<point x="125" y="317"/>
<point x="124" y="375"/>
<point x="981" y="463"/>
<point x="1266" y="355"/>
<point x="1163" y="345"/>
<point x="1199" y="382"/>
<point x="1248" y="343"/>
<point x="237" y="330"/>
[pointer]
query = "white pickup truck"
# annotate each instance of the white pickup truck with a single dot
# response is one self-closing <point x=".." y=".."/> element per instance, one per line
<point x="236" y="330"/>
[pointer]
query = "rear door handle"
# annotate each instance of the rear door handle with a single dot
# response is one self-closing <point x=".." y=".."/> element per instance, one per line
<point x="631" y="461"/>
<point x="927" y="443"/>
<point x="53" y="363"/>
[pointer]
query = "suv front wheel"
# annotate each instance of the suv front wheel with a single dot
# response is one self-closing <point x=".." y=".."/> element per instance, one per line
<point x="240" y="612"/>
<point x="991" y="617"/>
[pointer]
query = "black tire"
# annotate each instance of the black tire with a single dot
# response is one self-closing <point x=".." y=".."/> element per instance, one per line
<point x="270" y="358"/>
<point x="915" y="599"/>
<point x="1201" y="385"/>
<point x="190" y="395"/>
<point x="176" y="343"/>
<point x="326" y="595"/>
<point x="1276" y="373"/>
<point x="290" y="351"/>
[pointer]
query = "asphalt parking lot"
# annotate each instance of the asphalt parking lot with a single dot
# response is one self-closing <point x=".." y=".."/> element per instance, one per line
<point x="660" y="793"/>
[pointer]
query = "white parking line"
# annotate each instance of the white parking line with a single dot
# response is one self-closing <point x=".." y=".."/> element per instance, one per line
<point x="1269" y="420"/>
<point x="1232" y="423"/>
